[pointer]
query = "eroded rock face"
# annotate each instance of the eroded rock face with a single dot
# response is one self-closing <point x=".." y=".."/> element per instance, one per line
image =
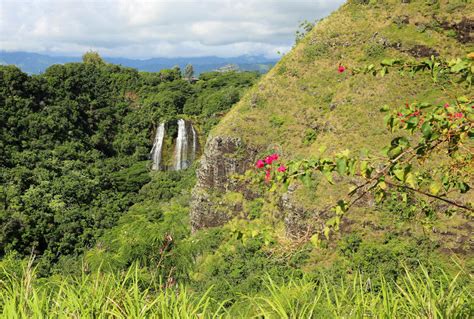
<point x="227" y="156"/>
<point x="222" y="158"/>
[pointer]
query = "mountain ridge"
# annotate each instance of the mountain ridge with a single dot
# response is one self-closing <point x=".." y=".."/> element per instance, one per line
<point x="34" y="63"/>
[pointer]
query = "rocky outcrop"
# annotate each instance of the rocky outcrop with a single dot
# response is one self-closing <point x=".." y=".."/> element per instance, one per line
<point x="222" y="158"/>
<point x="227" y="156"/>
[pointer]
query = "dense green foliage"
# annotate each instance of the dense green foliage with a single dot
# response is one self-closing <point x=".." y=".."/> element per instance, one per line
<point x="74" y="146"/>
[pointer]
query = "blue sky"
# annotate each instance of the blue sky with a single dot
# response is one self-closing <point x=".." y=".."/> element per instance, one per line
<point x="145" y="28"/>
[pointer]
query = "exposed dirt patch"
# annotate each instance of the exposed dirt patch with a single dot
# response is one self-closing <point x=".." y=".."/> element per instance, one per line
<point x="464" y="29"/>
<point x="422" y="51"/>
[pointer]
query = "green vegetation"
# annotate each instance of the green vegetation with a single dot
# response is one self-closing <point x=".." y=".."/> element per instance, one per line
<point x="128" y="296"/>
<point x="87" y="230"/>
<point x="441" y="133"/>
<point x="75" y="143"/>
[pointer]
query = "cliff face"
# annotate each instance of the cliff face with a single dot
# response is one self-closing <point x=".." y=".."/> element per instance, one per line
<point x="304" y="105"/>
<point x="222" y="158"/>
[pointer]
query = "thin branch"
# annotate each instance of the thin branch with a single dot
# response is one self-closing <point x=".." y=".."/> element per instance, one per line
<point x="449" y="201"/>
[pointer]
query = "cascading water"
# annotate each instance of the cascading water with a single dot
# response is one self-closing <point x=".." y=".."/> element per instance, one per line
<point x="181" y="150"/>
<point x="195" y="143"/>
<point x="186" y="147"/>
<point x="156" y="151"/>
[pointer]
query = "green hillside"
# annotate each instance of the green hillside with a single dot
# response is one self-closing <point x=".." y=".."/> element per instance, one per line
<point x="304" y="91"/>
<point x="306" y="108"/>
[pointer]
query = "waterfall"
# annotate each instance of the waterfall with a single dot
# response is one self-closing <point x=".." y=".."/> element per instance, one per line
<point x="195" y="143"/>
<point x="156" y="150"/>
<point x="185" y="147"/>
<point x="181" y="150"/>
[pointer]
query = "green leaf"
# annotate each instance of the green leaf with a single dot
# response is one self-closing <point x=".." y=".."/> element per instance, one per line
<point x="379" y="196"/>
<point x="435" y="187"/>
<point x="463" y="187"/>
<point x="404" y="197"/>
<point x="459" y="66"/>
<point x="394" y="152"/>
<point x="315" y="240"/>
<point x="331" y="221"/>
<point x="337" y="223"/>
<point x="399" y="173"/>
<point x="328" y="175"/>
<point x="341" y="165"/>
<point x="388" y="62"/>
<point x="424" y="105"/>
<point x="427" y="130"/>
<point x="340" y="209"/>
<point x="410" y="179"/>
<point x="413" y="121"/>
<point x="352" y="167"/>
<point x="326" y="232"/>
<point x="384" y="108"/>
<point x="363" y="168"/>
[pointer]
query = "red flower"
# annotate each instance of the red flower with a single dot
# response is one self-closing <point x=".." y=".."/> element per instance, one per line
<point x="282" y="168"/>
<point x="458" y="115"/>
<point x="268" y="160"/>
<point x="260" y="164"/>
<point x="341" y="68"/>
<point x="446" y="105"/>
<point x="274" y="156"/>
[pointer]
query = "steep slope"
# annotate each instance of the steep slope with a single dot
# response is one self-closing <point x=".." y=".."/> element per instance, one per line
<point x="304" y="105"/>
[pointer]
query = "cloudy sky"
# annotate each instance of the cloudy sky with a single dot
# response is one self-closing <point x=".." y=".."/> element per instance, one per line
<point x="145" y="28"/>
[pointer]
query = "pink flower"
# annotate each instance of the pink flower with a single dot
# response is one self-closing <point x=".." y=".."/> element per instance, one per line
<point x="260" y="164"/>
<point x="274" y="156"/>
<point x="341" y="69"/>
<point x="446" y="105"/>
<point x="458" y="115"/>
<point x="269" y="160"/>
<point x="282" y="168"/>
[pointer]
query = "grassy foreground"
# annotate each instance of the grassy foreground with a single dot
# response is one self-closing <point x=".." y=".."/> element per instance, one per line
<point x="99" y="295"/>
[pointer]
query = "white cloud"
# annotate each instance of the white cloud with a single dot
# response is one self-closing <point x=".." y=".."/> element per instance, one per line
<point x="145" y="28"/>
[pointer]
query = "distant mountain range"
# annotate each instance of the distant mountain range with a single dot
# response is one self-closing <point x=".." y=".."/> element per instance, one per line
<point x="35" y="63"/>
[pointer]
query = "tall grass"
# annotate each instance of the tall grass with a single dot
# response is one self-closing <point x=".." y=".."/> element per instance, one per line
<point x="126" y="295"/>
<point x="417" y="296"/>
<point x="96" y="296"/>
